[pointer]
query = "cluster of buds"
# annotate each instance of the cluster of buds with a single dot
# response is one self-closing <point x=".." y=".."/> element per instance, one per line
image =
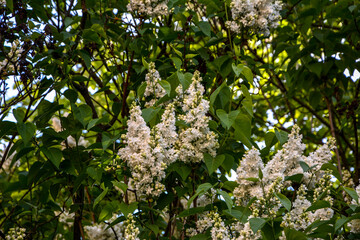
<point x="16" y="234"/>
<point x="131" y="231"/>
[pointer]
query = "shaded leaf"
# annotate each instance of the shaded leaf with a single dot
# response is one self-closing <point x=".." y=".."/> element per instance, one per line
<point x="213" y="163"/>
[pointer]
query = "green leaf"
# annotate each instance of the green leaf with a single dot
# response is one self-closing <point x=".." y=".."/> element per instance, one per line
<point x="205" y="28"/>
<point x="23" y="152"/>
<point x="106" y="212"/>
<point x="215" y="94"/>
<point x="213" y="163"/>
<point x="203" y="188"/>
<point x="191" y="211"/>
<point x="82" y="113"/>
<point x="53" y="154"/>
<point x="100" y="197"/>
<point x="240" y="213"/>
<point x="164" y="200"/>
<point x="10" y="4"/>
<point x="352" y="193"/>
<point x="340" y="222"/>
<point x="227" y="198"/>
<point x="247" y="101"/>
<point x="293" y="234"/>
<point x="107" y="140"/>
<point x="145" y="64"/>
<point x="318" y="205"/>
<point x="177" y="62"/>
<point x="227" y="120"/>
<point x="281" y="136"/>
<point x="149" y="113"/>
<point x="85" y="56"/>
<point x="335" y="172"/>
<point x="154" y="228"/>
<point x="95" y="174"/>
<point x="245" y="71"/>
<point x="230" y="185"/>
<point x="256" y="224"/>
<point x="314" y="98"/>
<point x="242" y="126"/>
<point x="6" y="127"/>
<point x="26" y="131"/>
<point x="71" y="95"/>
<point x="295" y="178"/>
<point x="126" y="209"/>
<point x="270" y="139"/>
<point x="91" y="36"/>
<point x="184" y="79"/>
<point x="284" y="201"/>
<point x="120" y="185"/>
<point x="166" y="85"/>
<point x="228" y="162"/>
<point x="141" y="90"/>
<point x="199" y="237"/>
<point x="260" y="174"/>
<point x="116" y="108"/>
<point x="19" y="114"/>
<point x="304" y="166"/>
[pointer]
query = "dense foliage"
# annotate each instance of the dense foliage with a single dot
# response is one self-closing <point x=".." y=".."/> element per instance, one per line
<point x="124" y="119"/>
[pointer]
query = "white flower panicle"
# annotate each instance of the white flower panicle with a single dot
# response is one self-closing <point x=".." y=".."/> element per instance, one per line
<point x="219" y="230"/>
<point x="101" y="231"/>
<point x="152" y="8"/>
<point x="298" y="218"/>
<point x="147" y="171"/>
<point x="210" y="220"/>
<point x="9" y="63"/>
<point x="153" y="87"/>
<point x="244" y="231"/>
<point x="355" y="223"/>
<point x="131" y="231"/>
<point x="286" y="161"/>
<point x="148" y="152"/>
<point x="249" y="168"/>
<point x="259" y="15"/>
<point x="196" y="139"/>
<point x="165" y="137"/>
<point x="2" y="3"/>
<point x="16" y="234"/>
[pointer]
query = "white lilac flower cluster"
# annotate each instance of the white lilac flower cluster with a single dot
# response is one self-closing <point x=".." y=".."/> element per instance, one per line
<point x="147" y="171"/>
<point x="355" y="223"/>
<point x="264" y="181"/>
<point x="299" y="218"/>
<point x="101" y="231"/>
<point x="149" y="7"/>
<point x="259" y="15"/>
<point x="286" y="162"/>
<point x="242" y="231"/>
<point x="210" y="220"/>
<point x="148" y="152"/>
<point x="16" y="234"/>
<point x="9" y="63"/>
<point x="2" y="3"/>
<point x="196" y="139"/>
<point x="98" y="231"/>
<point x="153" y="87"/>
<point x="131" y="231"/>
